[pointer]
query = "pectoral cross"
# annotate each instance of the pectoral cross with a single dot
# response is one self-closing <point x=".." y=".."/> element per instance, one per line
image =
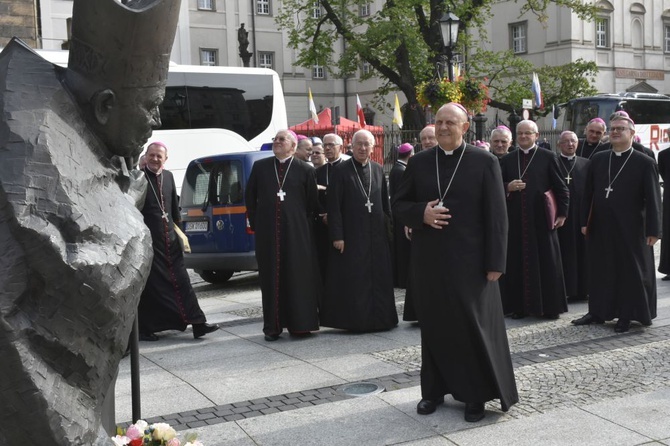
<point x="369" y="206"/>
<point x="568" y="178"/>
<point x="281" y="194"/>
<point x="165" y="216"/>
<point x="441" y="204"/>
<point x="608" y="189"/>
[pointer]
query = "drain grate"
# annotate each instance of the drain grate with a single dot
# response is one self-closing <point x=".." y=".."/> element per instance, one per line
<point x="361" y="389"/>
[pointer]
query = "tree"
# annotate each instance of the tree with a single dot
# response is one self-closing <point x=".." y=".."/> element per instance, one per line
<point x="402" y="41"/>
<point x="509" y="78"/>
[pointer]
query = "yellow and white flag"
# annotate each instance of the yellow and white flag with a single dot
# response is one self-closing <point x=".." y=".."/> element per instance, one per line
<point x="397" y="115"/>
<point x="312" y="108"/>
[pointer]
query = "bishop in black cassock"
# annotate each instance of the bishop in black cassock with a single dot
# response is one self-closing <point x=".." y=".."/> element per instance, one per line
<point x="621" y="216"/>
<point x="332" y="146"/>
<point x="570" y="237"/>
<point x="168" y="301"/>
<point x="359" y="287"/>
<point x="455" y="265"/>
<point x="281" y="199"/>
<point x="534" y="278"/>
<point x="592" y="143"/>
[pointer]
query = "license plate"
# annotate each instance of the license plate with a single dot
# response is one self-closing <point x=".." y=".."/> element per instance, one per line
<point x="195" y="226"/>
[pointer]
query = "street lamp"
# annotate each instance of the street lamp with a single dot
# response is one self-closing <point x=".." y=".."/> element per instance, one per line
<point x="449" y="24"/>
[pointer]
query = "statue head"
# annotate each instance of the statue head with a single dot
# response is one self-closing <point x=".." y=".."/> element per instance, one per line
<point x="118" y="67"/>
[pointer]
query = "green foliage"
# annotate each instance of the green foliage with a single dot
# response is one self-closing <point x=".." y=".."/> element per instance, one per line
<point x="402" y="42"/>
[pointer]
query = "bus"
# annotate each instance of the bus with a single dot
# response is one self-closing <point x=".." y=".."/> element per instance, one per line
<point x="212" y="110"/>
<point x="649" y="111"/>
<point x="215" y="110"/>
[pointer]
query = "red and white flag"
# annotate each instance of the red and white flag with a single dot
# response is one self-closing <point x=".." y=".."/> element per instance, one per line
<point x="359" y="112"/>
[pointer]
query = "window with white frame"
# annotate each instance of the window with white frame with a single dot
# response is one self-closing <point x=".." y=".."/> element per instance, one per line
<point x="208" y="57"/>
<point x="318" y="72"/>
<point x="316" y="9"/>
<point x="266" y="59"/>
<point x="206" y="5"/>
<point x="602" y="32"/>
<point x="263" y="7"/>
<point x="366" y="68"/>
<point x="364" y="10"/>
<point x="666" y="40"/>
<point x="518" y="37"/>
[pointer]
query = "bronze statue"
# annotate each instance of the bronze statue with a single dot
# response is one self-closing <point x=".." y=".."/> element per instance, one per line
<point x="75" y="251"/>
<point x="243" y="40"/>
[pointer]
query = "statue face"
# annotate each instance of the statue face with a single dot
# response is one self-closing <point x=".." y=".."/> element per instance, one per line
<point x="131" y="119"/>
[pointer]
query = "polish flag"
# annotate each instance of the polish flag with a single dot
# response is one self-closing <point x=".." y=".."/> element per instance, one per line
<point x="359" y="112"/>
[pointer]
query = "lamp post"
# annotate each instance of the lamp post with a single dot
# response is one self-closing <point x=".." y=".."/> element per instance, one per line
<point x="449" y="24"/>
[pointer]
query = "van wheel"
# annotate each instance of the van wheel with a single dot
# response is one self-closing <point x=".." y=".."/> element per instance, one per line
<point x="216" y="275"/>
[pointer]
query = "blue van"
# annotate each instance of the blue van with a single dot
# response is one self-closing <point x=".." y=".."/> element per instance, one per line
<point x="214" y="215"/>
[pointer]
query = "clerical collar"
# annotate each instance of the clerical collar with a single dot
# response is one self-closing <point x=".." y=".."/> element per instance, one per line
<point x="361" y="164"/>
<point x="339" y="158"/>
<point x="147" y="169"/>
<point x="526" y="151"/>
<point x="451" y="152"/>
<point x="404" y="163"/>
<point x="568" y="157"/>
<point x="284" y="160"/>
<point x="621" y="153"/>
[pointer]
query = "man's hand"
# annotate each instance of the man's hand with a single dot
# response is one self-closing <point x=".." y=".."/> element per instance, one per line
<point x="651" y="240"/>
<point x="560" y="221"/>
<point x="515" y="186"/>
<point x="324" y="218"/>
<point x="408" y="233"/>
<point x="492" y="276"/>
<point x="435" y="216"/>
<point x="339" y="245"/>
<point x="583" y="230"/>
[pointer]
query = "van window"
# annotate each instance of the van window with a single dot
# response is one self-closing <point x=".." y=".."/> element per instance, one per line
<point x="214" y="183"/>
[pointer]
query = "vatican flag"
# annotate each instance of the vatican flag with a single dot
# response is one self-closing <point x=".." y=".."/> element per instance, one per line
<point x="312" y="108"/>
<point x="397" y="115"/>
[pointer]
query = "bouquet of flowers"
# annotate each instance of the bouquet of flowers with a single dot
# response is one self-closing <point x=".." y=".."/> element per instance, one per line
<point x="157" y="434"/>
<point x="469" y="92"/>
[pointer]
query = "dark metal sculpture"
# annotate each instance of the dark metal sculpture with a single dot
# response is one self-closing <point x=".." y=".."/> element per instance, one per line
<point x="243" y="40"/>
<point x="75" y="252"/>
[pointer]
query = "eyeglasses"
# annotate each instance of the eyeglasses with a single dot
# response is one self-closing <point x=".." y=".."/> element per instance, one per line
<point x="619" y="129"/>
<point x="279" y="139"/>
<point x="330" y="145"/>
<point x="317" y="153"/>
<point x="525" y="133"/>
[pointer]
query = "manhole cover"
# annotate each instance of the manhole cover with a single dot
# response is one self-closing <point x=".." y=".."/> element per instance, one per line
<point x="361" y="389"/>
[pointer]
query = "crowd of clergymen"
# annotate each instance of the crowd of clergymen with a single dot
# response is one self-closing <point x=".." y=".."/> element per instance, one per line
<point x="474" y="235"/>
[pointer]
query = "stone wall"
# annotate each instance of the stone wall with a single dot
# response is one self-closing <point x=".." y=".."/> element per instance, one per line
<point x="18" y="18"/>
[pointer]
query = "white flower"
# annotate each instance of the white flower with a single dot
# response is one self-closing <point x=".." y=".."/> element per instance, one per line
<point x="141" y="425"/>
<point x="163" y="431"/>
<point x="195" y="443"/>
<point x="120" y="440"/>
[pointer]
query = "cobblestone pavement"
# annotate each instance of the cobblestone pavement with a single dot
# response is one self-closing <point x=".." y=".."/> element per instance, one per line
<point x="556" y="365"/>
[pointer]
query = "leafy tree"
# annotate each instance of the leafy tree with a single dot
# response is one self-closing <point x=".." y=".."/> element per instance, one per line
<point x="402" y="41"/>
<point x="509" y="78"/>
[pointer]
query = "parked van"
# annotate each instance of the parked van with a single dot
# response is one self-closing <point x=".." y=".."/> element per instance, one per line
<point x="214" y="215"/>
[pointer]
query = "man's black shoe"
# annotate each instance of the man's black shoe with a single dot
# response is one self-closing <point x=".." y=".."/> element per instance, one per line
<point x="426" y="407"/>
<point x="148" y="337"/>
<point x="667" y="277"/>
<point x="622" y="326"/>
<point x="200" y="330"/>
<point x="587" y="319"/>
<point x="271" y="338"/>
<point x="474" y="412"/>
<point x="518" y="315"/>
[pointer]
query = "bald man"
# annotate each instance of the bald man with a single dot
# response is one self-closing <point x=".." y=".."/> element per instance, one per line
<point x="453" y="199"/>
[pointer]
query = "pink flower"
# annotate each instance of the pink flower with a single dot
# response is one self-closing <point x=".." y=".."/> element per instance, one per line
<point x="174" y="442"/>
<point x="134" y="432"/>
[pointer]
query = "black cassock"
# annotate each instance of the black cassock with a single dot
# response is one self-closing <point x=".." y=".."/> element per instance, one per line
<point x="359" y="287"/>
<point x="401" y="246"/>
<point x="168" y="301"/>
<point x="622" y="280"/>
<point x="463" y="338"/>
<point x="664" y="171"/>
<point x="534" y="279"/>
<point x="570" y="237"/>
<point x="586" y="149"/>
<point x="323" y="244"/>
<point x="285" y="250"/>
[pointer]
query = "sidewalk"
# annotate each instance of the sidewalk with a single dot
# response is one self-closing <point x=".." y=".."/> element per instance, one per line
<point x="577" y="385"/>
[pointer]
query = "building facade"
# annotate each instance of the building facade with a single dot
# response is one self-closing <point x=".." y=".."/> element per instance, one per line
<point x="629" y="41"/>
